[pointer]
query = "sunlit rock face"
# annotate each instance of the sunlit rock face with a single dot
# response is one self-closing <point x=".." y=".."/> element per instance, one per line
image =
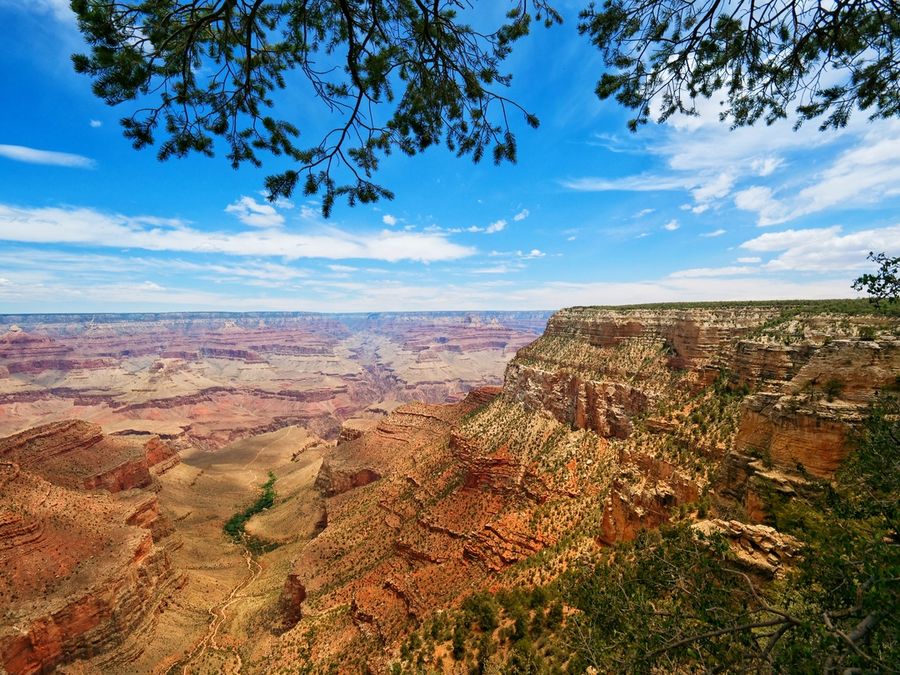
<point x="81" y="548"/>
<point x="612" y="423"/>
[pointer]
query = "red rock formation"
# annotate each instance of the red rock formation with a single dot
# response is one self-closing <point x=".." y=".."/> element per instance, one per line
<point x="81" y="570"/>
<point x="76" y="454"/>
<point x="215" y="379"/>
<point x="643" y="495"/>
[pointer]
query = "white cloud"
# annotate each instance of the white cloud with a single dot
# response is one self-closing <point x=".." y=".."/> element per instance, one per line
<point x="493" y="228"/>
<point x="572" y="238"/>
<point x="251" y="212"/>
<point x="21" y="153"/>
<point x="75" y="292"/>
<point x="283" y="203"/>
<point x="760" y="199"/>
<point x="671" y="226"/>
<point x="533" y="253"/>
<point x="643" y="212"/>
<point x="749" y="259"/>
<point x="706" y="272"/>
<point x="496" y="269"/>
<point x="715" y="188"/>
<point x="388" y="219"/>
<point x="261" y="271"/>
<point x="824" y="249"/>
<point x="867" y="173"/>
<point x="640" y="183"/>
<point x="96" y="124"/>
<point x="84" y="226"/>
<point x="765" y="166"/>
<point x="712" y="162"/>
<point x="714" y="233"/>
<point x="521" y="215"/>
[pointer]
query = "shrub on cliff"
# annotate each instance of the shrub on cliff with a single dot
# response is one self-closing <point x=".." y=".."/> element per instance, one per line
<point x="671" y="601"/>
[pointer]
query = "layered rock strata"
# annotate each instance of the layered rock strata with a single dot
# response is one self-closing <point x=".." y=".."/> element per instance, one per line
<point x="82" y="567"/>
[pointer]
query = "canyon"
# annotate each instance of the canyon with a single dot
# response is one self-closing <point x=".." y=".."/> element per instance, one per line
<point x="208" y="379"/>
<point x="405" y="477"/>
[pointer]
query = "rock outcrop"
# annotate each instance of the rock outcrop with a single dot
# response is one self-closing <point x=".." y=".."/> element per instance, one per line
<point x="76" y="454"/>
<point x="803" y="420"/>
<point x="759" y="548"/>
<point x="83" y="569"/>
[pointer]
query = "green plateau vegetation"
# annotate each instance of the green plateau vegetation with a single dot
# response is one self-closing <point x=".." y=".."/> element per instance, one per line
<point x="790" y="308"/>
<point x="234" y="528"/>
<point x="674" y="600"/>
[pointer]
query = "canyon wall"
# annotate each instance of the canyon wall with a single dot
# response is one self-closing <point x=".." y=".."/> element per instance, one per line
<point x="81" y="543"/>
<point x="613" y="422"/>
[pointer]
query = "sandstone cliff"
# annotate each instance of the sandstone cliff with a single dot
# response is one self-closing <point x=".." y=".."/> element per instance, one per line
<point x="613" y="422"/>
<point x="616" y="420"/>
<point x="83" y="567"/>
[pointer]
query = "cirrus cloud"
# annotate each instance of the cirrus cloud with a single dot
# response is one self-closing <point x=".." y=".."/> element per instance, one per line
<point x="22" y="153"/>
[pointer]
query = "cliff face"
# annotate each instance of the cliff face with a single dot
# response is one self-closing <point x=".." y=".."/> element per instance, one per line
<point x="76" y="454"/>
<point x="614" y="421"/>
<point x="803" y="418"/>
<point x="599" y="369"/>
<point x="83" y="568"/>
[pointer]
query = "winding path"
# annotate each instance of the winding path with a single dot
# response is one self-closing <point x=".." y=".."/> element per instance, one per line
<point x="218" y="614"/>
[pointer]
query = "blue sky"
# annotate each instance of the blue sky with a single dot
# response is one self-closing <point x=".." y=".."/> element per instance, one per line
<point x="591" y="214"/>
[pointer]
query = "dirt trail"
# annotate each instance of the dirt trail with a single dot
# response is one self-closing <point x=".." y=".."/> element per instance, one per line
<point x="218" y="614"/>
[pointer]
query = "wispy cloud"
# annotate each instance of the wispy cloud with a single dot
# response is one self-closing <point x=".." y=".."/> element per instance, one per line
<point x="144" y="294"/>
<point x="708" y="272"/>
<point x="388" y="219"/>
<point x="21" y="153"/>
<point x="713" y="233"/>
<point x="521" y="215"/>
<point x="640" y="183"/>
<point x="671" y="226"/>
<point x="867" y="173"/>
<point x="719" y="166"/>
<point x="84" y="226"/>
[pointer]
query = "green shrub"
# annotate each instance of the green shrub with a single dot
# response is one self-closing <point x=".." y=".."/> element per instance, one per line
<point x="833" y="388"/>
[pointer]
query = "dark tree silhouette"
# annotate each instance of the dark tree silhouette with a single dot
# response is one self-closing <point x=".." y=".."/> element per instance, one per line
<point x="884" y="285"/>
<point x="409" y="74"/>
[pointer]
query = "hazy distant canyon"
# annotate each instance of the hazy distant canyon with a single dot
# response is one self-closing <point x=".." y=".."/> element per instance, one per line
<point x="213" y="378"/>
